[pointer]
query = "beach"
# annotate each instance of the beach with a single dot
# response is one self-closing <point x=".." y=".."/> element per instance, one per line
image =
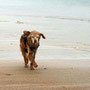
<point x="50" y="75"/>
<point x="63" y="57"/>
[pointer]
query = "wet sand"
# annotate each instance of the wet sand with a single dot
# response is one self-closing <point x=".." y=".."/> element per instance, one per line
<point x="50" y="75"/>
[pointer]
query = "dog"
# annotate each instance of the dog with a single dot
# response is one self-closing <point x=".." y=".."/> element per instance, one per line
<point x="29" y="43"/>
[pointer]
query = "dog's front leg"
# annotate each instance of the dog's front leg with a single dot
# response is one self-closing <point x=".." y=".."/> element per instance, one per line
<point x="32" y="61"/>
<point x="26" y="61"/>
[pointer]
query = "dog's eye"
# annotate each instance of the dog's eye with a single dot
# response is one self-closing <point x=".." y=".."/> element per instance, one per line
<point x="37" y="37"/>
<point x="32" y="36"/>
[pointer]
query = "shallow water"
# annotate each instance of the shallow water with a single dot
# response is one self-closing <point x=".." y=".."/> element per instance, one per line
<point x="65" y="23"/>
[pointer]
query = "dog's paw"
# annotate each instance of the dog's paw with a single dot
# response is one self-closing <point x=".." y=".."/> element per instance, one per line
<point x="26" y="66"/>
<point x="32" y="68"/>
<point x="35" y="65"/>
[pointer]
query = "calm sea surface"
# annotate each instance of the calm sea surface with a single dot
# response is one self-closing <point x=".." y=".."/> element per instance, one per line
<point x="63" y="8"/>
<point x="65" y="23"/>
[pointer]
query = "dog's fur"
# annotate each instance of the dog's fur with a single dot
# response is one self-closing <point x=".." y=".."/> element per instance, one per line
<point x="29" y="43"/>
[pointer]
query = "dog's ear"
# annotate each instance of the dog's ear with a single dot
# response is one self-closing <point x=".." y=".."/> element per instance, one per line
<point x="42" y="36"/>
<point x="26" y="32"/>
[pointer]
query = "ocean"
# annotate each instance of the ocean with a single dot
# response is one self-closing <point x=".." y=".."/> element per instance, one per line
<point x="62" y="8"/>
<point x="65" y="23"/>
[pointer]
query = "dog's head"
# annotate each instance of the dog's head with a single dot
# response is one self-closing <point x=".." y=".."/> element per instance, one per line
<point x="34" y="37"/>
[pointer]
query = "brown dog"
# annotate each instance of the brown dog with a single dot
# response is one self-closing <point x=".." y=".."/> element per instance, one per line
<point x="29" y="43"/>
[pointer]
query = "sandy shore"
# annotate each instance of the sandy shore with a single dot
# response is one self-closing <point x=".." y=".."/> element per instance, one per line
<point x="50" y="75"/>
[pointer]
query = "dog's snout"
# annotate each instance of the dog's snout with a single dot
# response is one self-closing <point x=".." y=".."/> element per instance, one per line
<point x="35" y="41"/>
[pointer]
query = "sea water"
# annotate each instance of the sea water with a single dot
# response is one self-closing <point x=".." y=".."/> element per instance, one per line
<point x="65" y="23"/>
<point x="63" y="8"/>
